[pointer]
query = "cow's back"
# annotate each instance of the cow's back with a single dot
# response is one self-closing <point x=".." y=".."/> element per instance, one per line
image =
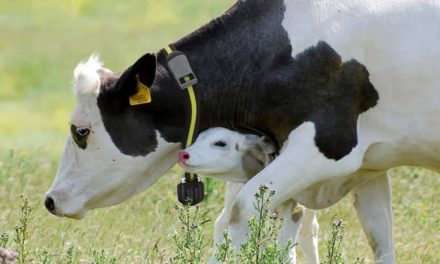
<point x="397" y="41"/>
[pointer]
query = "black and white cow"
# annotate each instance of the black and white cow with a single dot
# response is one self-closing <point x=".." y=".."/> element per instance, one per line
<point x="235" y="157"/>
<point x="349" y="87"/>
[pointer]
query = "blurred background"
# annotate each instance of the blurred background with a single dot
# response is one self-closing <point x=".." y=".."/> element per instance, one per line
<point x="41" y="41"/>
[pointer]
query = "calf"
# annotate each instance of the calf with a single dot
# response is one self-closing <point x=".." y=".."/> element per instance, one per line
<point x="235" y="157"/>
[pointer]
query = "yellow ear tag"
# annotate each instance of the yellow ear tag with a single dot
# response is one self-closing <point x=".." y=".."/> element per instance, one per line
<point x="143" y="95"/>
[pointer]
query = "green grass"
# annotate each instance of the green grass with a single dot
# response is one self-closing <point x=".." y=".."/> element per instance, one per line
<point x="40" y="44"/>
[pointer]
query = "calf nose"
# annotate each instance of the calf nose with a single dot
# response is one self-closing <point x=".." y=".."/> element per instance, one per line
<point x="50" y="204"/>
<point x="183" y="156"/>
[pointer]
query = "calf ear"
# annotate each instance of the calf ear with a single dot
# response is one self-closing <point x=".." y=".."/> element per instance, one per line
<point x="249" y="142"/>
<point x="253" y="162"/>
<point x="144" y="70"/>
<point x="258" y="155"/>
<point x="262" y="143"/>
<point x="266" y="145"/>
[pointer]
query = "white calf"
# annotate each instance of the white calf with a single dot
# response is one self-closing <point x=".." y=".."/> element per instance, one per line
<point x="227" y="155"/>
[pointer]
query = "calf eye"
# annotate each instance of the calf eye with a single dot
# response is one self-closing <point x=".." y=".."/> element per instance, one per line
<point x="220" y="143"/>
<point x="79" y="135"/>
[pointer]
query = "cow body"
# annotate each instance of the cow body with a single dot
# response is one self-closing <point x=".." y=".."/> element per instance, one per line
<point x="401" y="130"/>
<point x="350" y="88"/>
<point x="396" y="41"/>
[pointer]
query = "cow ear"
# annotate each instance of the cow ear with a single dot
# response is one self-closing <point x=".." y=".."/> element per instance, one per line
<point x="143" y="70"/>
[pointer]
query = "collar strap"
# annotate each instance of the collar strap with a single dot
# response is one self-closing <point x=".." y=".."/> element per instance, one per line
<point x="179" y="66"/>
<point x="191" y="188"/>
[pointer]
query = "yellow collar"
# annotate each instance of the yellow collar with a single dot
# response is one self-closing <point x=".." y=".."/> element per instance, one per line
<point x="190" y="190"/>
<point x="180" y="68"/>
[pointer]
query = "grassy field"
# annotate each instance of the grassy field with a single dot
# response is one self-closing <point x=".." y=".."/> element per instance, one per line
<point x="40" y="43"/>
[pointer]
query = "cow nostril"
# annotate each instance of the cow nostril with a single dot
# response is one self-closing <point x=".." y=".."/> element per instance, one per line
<point x="50" y="204"/>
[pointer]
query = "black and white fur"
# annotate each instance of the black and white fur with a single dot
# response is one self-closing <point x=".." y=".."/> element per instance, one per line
<point x="350" y="88"/>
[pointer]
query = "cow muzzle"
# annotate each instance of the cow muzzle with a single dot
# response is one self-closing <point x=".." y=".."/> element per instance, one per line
<point x="50" y="205"/>
<point x="59" y="208"/>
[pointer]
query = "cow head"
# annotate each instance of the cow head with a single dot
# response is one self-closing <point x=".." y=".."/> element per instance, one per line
<point x="113" y="151"/>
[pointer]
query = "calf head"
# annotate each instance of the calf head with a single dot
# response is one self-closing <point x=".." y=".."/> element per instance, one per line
<point x="113" y="151"/>
<point x="227" y="155"/>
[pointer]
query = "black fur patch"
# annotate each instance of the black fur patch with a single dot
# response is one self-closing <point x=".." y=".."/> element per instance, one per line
<point x="247" y="78"/>
<point x="130" y="128"/>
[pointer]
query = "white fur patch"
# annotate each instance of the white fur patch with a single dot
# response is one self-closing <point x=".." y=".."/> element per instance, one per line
<point x="85" y="76"/>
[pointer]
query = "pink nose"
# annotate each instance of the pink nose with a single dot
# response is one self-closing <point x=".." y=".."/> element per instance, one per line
<point x="183" y="156"/>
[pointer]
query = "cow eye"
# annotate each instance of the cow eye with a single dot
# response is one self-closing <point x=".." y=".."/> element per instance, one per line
<point x="220" y="143"/>
<point x="82" y="131"/>
<point x="79" y="135"/>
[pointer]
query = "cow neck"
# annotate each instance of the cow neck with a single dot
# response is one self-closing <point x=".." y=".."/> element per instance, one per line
<point x="169" y="105"/>
<point x="233" y="52"/>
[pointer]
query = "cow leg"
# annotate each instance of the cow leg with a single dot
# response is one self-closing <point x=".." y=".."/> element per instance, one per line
<point x="290" y="226"/>
<point x="299" y="166"/>
<point x="305" y="221"/>
<point x="308" y="236"/>
<point x="298" y="218"/>
<point x="372" y="201"/>
<point x="222" y="222"/>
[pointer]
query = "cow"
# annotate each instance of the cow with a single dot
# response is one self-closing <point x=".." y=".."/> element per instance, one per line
<point x="235" y="157"/>
<point x="350" y="88"/>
